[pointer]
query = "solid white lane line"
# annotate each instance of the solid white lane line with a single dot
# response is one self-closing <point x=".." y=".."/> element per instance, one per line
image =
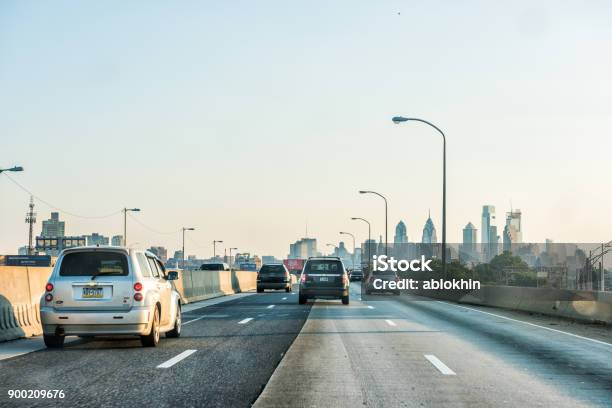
<point x="194" y="320"/>
<point x="530" y="324"/>
<point x="370" y="307"/>
<point x="176" y="359"/>
<point x="284" y="298"/>
<point x="270" y="307"/>
<point x="390" y="322"/>
<point x="244" y="321"/>
<point x="443" y="368"/>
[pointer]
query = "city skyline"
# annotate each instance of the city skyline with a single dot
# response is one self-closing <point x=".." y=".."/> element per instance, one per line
<point x="248" y="139"/>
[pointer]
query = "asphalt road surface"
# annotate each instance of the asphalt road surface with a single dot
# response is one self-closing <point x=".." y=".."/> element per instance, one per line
<point x="237" y="344"/>
<point x="391" y="353"/>
<point x="405" y="353"/>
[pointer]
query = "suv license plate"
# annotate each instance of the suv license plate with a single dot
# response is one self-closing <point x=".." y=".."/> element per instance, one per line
<point x="323" y="279"/>
<point x="93" y="293"/>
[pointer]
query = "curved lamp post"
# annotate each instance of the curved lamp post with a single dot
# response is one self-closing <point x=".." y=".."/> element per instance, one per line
<point x="400" y="119"/>
<point x="352" y="236"/>
<point x="386" y="210"/>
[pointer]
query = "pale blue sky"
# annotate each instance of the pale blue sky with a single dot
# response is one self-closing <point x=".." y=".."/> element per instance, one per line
<point x="247" y="118"/>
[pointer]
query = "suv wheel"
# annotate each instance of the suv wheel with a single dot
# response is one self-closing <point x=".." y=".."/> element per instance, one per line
<point x="288" y="289"/>
<point x="345" y="300"/>
<point x="151" y="339"/>
<point x="302" y="300"/>
<point x="259" y="290"/>
<point x="176" y="331"/>
<point x="52" y="341"/>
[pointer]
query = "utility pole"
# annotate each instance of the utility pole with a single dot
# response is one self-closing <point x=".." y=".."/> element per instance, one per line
<point x="31" y="220"/>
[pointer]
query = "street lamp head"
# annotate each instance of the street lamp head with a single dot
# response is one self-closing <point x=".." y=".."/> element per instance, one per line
<point x="16" y="168"/>
<point x="188" y="229"/>
<point x="363" y="192"/>
<point x="135" y="209"/>
<point x="399" y="119"/>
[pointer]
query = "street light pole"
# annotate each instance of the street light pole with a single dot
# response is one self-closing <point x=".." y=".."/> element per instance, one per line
<point x="125" y="211"/>
<point x="215" y="242"/>
<point x="369" y="236"/>
<point x="352" y="236"/>
<point x="399" y="119"/>
<point x="183" y="251"/>
<point x="386" y="211"/>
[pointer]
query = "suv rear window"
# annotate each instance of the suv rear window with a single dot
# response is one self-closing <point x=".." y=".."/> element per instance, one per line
<point x="94" y="263"/>
<point x="331" y="267"/>
<point x="272" y="270"/>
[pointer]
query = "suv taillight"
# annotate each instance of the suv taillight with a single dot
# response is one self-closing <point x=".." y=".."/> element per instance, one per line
<point x="138" y="286"/>
<point x="344" y="279"/>
<point x="49" y="287"/>
<point x="303" y="278"/>
<point x="138" y="296"/>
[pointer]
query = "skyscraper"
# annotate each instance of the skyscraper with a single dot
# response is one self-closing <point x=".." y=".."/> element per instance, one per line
<point x="303" y="249"/>
<point x="117" y="240"/>
<point x="488" y="218"/>
<point x="53" y="227"/>
<point x="400" y="233"/>
<point x="469" y="237"/>
<point x="96" y="239"/>
<point x="512" y="230"/>
<point x="429" y="232"/>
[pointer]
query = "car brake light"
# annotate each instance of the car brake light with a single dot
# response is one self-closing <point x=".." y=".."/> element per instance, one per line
<point x="138" y="286"/>
<point x="138" y="297"/>
<point x="48" y="297"/>
<point x="344" y="279"/>
<point x="303" y="278"/>
<point x="49" y="287"/>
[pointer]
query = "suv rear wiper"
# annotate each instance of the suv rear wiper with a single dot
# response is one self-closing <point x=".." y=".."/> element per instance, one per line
<point x="101" y="273"/>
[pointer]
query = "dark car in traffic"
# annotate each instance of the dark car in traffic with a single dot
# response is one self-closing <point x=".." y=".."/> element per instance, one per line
<point x="273" y="276"/>
<point x="324" y="277"/>
<point x="356" y="275"/>
<point x="376" y="283"/>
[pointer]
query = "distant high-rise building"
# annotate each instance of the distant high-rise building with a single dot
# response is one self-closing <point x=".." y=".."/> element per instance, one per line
<point x="429" y="232"/>
<point x="161" y="252"/>
<point x="117" y="240"/>
<point x="303" y="249"/>
<point x="488" y="218"/>
<point x="512" y="230"/>
<point x="95" y="239"/>
<point x="469" y="237"/>
<point x="401" y="237"/>
<point x="53" y="227"/>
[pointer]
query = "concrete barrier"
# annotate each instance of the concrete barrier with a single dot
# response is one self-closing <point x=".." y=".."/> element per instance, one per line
<point x="21" y="288"/>
<point x="20" y="292"/>
<point x="586" y="306"/>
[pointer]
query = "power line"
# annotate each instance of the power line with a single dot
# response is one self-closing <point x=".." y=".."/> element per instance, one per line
<point x="54" y="207"/>
<point x="150" y="228"/>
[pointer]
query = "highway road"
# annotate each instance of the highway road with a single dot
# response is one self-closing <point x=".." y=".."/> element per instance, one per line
<point x="395" y="352"/>
<point x="237" y="344"/>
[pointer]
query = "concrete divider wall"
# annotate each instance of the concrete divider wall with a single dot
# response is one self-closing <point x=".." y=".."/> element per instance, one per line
<point x="20" y="292"/>
<point x="22" y="287"/>
<point x="586" y="306"/>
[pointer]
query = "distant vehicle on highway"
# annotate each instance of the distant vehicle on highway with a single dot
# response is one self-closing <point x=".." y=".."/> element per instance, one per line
<point x="295" y="266"/>
<point x="324" y="277"/>
<point x="356" y="275"/>
<point x="110" y="291"/>
<point x="273" y="276"/>
<point x="216" y="266"/>
<point x="386" y="276"/>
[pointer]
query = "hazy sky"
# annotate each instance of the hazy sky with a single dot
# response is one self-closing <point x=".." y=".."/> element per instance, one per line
<point x="248" y="119"/>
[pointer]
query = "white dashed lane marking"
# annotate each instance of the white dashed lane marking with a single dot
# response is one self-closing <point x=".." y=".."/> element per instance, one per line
<point x="244" y="321"/>
<point x="443" y="368"/>
<point x="176" y="359"/>
<point x="390" y="322"/>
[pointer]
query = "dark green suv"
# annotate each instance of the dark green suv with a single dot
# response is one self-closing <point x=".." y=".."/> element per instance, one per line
<point x="324" y="277"/>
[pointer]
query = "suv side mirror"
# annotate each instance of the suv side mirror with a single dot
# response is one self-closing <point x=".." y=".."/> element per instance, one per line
<point x="172" y="275"/>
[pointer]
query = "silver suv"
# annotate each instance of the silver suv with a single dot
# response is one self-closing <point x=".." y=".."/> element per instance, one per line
<point x="110" y="291"/>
